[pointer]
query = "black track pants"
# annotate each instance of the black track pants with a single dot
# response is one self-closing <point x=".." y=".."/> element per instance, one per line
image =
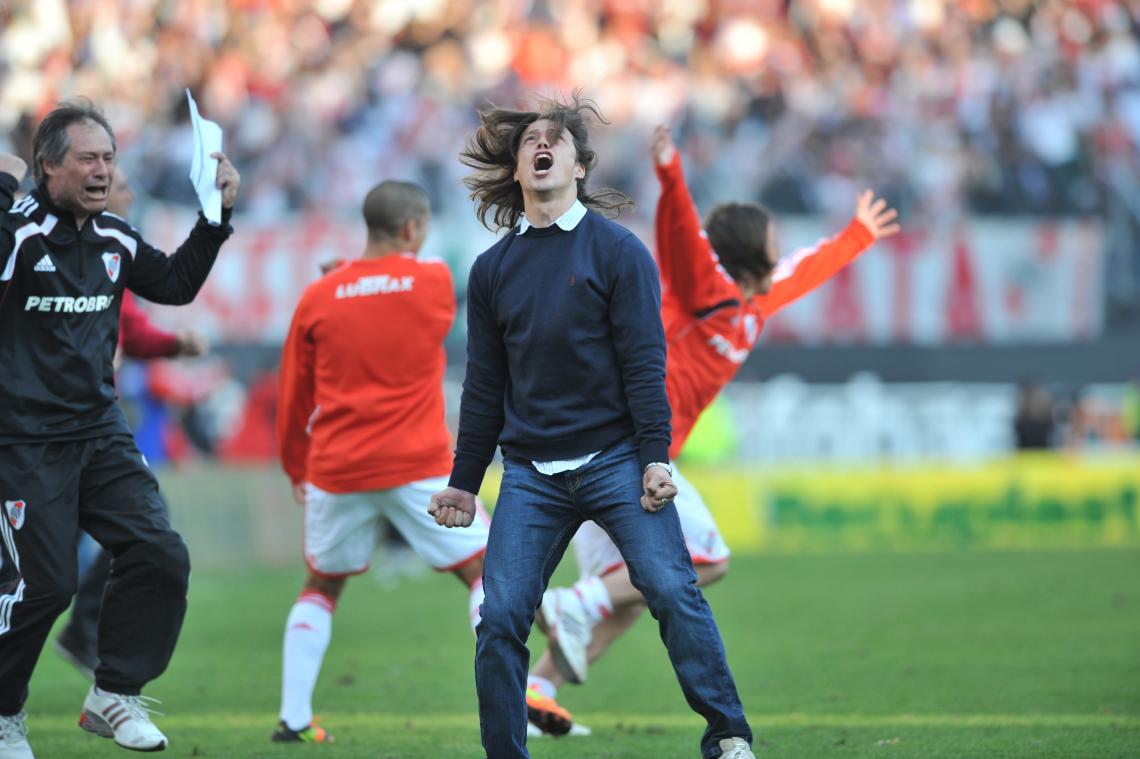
<point x="49" y="491"/>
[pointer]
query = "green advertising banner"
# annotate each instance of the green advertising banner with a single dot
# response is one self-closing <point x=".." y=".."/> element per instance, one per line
<point x="1030" y="501"/>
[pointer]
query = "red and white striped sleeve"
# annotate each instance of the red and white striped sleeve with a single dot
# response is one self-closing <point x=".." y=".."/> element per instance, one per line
<point x="808" y="268"/>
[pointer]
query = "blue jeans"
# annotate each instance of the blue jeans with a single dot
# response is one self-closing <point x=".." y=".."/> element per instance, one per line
<point x="535" y="517"/>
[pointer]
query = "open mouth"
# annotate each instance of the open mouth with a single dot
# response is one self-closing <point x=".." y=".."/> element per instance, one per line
<point x="543" y="162"/>
<point x="96" y="191"/>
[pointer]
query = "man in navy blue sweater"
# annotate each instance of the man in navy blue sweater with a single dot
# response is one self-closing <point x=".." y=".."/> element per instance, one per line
<point x="566" y="372"/>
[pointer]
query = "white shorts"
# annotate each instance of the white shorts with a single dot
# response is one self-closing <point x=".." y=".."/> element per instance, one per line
<point x="597" y="555"/>
<point x="341" y="529"/>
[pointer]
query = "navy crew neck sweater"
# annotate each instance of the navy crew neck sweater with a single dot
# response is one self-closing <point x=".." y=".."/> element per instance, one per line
<point x="565" y="349"/>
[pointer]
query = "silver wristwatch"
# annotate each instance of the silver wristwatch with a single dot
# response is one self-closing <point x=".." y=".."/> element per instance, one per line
<point x="661" y="464"/>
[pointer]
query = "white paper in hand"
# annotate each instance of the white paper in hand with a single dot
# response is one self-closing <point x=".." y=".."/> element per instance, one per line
<point x="203" y="168"/>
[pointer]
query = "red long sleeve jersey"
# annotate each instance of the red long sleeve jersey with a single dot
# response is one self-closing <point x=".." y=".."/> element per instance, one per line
<point x="710" y="328"/>
<point x="361" y="398"/>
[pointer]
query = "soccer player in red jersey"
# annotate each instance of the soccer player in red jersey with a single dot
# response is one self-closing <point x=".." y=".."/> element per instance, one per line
<point x="720" y="282"/>
<point x="361" y="429"/>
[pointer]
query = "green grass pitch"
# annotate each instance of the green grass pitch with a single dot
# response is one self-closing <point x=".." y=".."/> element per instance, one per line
<point x="892" y="656"/>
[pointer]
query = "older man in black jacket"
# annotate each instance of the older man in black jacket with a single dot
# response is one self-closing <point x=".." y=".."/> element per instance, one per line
<point x="67" y="458"/>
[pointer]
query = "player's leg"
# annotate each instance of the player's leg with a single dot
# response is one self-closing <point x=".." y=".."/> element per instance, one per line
<point x="616" y="591"/>
<point x="546" y="714"/>
<point x="39" y="486"/>
<point x="470" y="573"/>
<point x="77" y="641"/>
<point x="661" y="568"/>
<point x="566" y="617"/>
<point x="145" y="599"/>
<point x="308" y="630"/>
<point x="535" y="517"/>
<point x="459" y="551"/>
<point x="597" y="554"/>
<point x="607" y="631"/>
<point x="606" y="598"/>
<point x="603" y="635"/>
<point x="605" y="588"/>
<point x="340" y="536"/>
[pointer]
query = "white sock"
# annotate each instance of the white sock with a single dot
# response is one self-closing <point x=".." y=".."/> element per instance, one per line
<point x="591" y="591"/>
<point x="545" y="687"/>
<point x="307" y="633"/>
<point x="474" y="601"/>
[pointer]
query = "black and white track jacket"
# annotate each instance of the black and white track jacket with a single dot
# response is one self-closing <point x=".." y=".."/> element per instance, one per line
<point x="60" y="290"/>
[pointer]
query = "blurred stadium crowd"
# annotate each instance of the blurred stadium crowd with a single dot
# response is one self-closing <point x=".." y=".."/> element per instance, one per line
<point x="990" y="106"/>
<point x="950" y="108"/>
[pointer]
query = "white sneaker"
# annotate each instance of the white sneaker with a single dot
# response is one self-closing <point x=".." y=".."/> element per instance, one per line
<point x="124" y="718"/>
<point x="14" y="738"/>
<point x="563" y="619"/>
<point x="735" y="748"/>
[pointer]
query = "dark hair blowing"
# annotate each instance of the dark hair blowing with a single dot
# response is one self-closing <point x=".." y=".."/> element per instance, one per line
<point x="738" y="232"/>
<point x="391" y="204"/>
<point x="51" y="142"/>
<point x="493" y="153"/>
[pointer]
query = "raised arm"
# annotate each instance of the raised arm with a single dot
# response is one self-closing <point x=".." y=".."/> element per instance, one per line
<point x="176" y="279"/>
<point x="690" y="268"/>
<point x="808" y="268"/>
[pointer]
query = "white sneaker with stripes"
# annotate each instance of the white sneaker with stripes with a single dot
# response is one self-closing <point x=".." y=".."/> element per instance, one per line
<point x="563" y="618"/>
<point x="124" y="718"/>
<point x="14" y="738"/>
